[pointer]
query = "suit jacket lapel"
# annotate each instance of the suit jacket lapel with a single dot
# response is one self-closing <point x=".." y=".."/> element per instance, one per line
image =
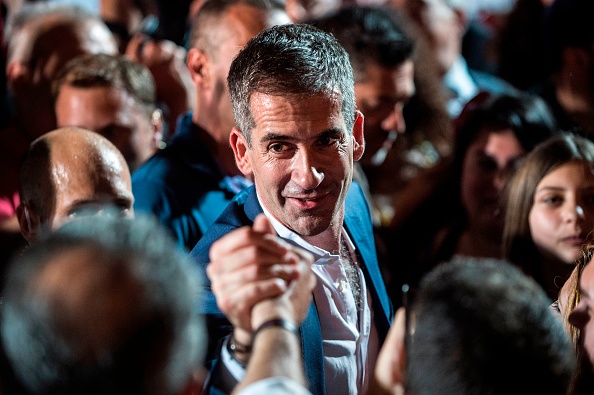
<point x="252" y="208"/>
<point x="361" y="233"/>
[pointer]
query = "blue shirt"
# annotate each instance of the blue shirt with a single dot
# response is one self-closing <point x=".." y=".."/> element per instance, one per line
<point x="184" y="185"/>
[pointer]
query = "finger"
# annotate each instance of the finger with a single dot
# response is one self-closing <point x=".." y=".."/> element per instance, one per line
<point x="252" y="255"/>
<point x="231" y="281"/>
<point x="263" y="225"/>
<point x="251" y="264"/>
<point x="246" y="237"/>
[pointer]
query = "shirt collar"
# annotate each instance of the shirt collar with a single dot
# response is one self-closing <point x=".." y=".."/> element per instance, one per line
<point x="321" y="256"/>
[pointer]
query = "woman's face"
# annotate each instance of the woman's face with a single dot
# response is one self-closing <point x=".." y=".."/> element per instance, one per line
<point x="488" y="163"/>
<point x="562" y="214"/>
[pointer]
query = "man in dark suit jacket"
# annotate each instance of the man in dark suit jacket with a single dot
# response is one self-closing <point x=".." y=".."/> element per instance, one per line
<point x="190" y="182"/>
<point x="297" y="134"/>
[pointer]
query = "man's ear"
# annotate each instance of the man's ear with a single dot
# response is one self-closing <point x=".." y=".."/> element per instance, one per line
<point x="199" y="67"/>
<point x="241" y="151"/>
<point x="29" y="222"/>
<point x="358" y="136"/>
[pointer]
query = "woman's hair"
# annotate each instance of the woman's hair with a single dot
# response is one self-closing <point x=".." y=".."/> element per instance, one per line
<point x="527" y="115"/>
<point x="441" y="205"/>
<point x="518" y="246"/>
<point x="569" y="295"/>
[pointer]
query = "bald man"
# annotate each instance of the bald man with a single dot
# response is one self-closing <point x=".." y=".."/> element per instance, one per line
<point x="70" y="172"/>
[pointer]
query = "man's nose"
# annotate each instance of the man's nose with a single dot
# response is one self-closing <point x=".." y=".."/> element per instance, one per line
<point x="306" y="172"/>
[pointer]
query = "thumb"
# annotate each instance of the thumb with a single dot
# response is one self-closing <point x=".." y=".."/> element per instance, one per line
<point x="262" y="224"/>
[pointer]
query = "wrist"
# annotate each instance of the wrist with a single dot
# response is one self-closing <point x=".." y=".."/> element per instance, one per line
<point x="287" y="325"/>
<point x="239" y="351"/>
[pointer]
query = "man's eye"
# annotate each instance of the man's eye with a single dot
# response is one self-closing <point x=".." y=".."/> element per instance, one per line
<point x="277" y="147"/>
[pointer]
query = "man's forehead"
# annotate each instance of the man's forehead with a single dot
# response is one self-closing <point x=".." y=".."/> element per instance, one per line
<point x="296" y="108"/>
<point x="262" y="100"/>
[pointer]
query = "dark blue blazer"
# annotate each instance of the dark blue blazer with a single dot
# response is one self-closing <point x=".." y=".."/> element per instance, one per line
<point x="242" y="211"/>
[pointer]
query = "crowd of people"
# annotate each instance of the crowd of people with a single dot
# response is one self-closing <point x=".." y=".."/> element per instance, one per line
<point x="296" y="197"/>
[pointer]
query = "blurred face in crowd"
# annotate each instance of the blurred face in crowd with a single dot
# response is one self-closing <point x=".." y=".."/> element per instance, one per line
<point x="381" y="95"/>
<point x="489" y="162"/>
<point x="114" y="114"/>
<point x="35" y="55"/>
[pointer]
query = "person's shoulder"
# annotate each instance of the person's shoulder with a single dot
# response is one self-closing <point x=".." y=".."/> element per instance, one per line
<point x="356" y="191"/>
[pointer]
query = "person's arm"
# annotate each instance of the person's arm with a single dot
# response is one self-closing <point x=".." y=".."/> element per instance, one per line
<point x="249" y="266"/>
<point x="390" y="367"/>
<point x="276" y="340"/>
<point x="276" y="352"/>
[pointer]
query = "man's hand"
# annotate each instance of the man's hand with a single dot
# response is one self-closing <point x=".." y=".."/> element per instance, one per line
<point x="293" y="304"/>
<point x="248" y="266"/>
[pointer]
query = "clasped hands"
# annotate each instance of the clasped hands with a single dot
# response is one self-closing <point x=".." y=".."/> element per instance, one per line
<point x="256" y="276"/>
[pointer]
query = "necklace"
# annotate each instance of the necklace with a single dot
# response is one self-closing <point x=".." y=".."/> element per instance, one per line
<point x="352" y="273"/>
